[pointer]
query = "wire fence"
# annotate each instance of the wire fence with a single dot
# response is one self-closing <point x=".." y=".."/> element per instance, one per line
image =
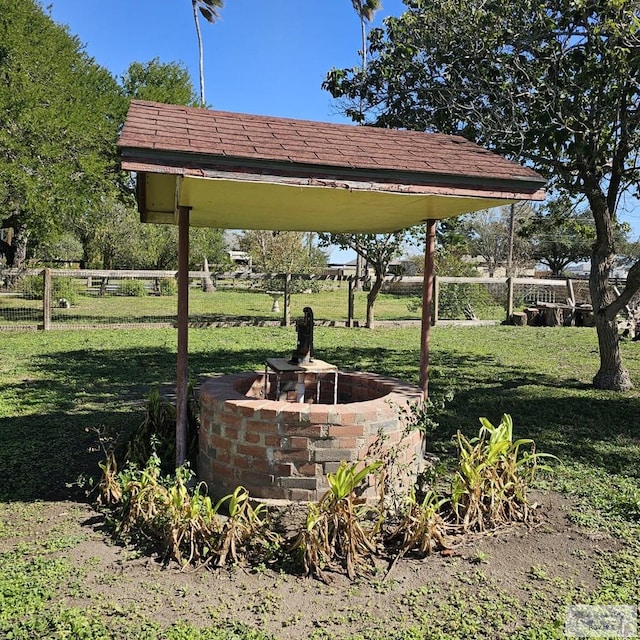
<point x="76" y="299"/>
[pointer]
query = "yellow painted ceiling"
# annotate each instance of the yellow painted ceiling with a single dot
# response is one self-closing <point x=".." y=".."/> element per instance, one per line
<point x="235" y="204"/>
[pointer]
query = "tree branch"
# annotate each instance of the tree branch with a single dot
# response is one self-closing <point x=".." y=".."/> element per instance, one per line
<point x="632" y="286"/>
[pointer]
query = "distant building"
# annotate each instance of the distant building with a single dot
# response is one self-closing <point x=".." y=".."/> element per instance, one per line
<point x="583" y="269"/>
<point x="404" y="266"/>
<point x="241" y="260"/>
<point x="341" y="269"/>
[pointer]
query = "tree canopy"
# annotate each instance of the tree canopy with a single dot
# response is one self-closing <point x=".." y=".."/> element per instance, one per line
<point x="60" y="184"/>
<point x="559" y="234"/>
<point x="167" y="82"/>
<point x="489" y="237"/>
<point x="282" y="252"/>
<point x="377" y="250"/>
<point x="552" y="83"/>
<point x="59" y="116"/>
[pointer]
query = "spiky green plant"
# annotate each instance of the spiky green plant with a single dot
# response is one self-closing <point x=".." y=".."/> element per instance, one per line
<point x="342" y="526"/>
<point x="312" y="542"/>
<point x="244" y="529"/>
<point x="109" y="490"/>
<point x="157" y="432"/>
<point x="192" y="524"/>
<point x="493" y="477"/>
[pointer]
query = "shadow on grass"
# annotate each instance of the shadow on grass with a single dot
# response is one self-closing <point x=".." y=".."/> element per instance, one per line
<point x="194" y="319"/>
<point x="565" y="418"/>
<point x="51" y="440"/>
<point x="43" y="456"/>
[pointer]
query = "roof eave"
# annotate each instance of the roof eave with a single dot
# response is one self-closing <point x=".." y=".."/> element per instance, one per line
<point x="238" y="168"/>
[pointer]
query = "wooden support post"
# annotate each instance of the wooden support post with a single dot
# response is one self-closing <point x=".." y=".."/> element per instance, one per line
<point x="47" y="290"/>
<point x="509" y="298"/>
<point x="436" y="299"/>
<point x="427" y="298"/>
<point x="183" y="337"/>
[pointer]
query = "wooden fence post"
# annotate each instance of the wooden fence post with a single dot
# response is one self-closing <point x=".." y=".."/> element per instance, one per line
<point x="509" y="298"/>
<point x="286" y="319"/>
<point x="46" y="300"/>
<point x="350" y="302"/>
<point x="571" y="295"/>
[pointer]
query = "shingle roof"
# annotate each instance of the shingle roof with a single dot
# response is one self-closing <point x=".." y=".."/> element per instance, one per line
<point x="218" y="135"/>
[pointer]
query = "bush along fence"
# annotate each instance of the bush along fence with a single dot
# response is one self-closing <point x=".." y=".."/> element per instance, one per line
<point x="79" y="298"/>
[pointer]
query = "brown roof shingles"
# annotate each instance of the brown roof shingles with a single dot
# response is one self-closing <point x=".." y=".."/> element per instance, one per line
<point x="213" y="134"/>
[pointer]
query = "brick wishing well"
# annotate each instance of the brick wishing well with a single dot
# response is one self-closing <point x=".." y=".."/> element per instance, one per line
<point x="281" y="449"/>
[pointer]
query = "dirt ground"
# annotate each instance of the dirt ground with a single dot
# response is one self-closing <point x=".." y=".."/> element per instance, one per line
<point x="527" y="571"/>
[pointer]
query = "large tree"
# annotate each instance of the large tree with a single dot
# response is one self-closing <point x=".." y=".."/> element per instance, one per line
<point x="489" y="238"/>
<point x="365" y="9"/>
<point x="59" y="117"/>
<point x="559" y="234"/>
<point x="553" y="83"/>
<point x="377" y="250"/>
<point x="167" y="82"/>
<point x="282" y="252"/>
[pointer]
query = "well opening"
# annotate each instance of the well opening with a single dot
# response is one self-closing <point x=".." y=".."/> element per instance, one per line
<point x="279" y="448"/>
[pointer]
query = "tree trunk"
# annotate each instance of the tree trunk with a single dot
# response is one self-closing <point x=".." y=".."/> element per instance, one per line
<point x="200" y="53"/>
<point x="359" y="270"/>
<point x="207" y="282"/>
<point x="8" y="251"/>
<point x="612" y="375"/>
<point x="19" y="244"/>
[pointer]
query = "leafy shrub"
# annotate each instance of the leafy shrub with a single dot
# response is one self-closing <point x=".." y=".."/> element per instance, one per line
<point x="454" y="298"/>
<point x="62" y="288"/>
<point x="167" y="287"/>
<point x="132" y="289"/>
<point x="33" y="289"/>
<point x="157" y="432"/>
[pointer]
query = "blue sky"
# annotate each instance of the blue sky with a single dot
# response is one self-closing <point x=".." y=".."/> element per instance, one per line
<point x="262" y="57"/>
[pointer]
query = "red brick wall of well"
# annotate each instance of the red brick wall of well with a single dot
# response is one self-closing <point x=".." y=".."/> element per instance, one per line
<point x="284" y="450"/>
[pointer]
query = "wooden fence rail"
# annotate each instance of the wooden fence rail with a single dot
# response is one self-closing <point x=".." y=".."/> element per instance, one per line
<point x="98" y="281"/>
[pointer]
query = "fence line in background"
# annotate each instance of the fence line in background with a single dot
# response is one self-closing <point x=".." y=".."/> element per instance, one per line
<point x="83" y="298"/>
<point x="36" y="299"/>
<point x="509" y="283"/>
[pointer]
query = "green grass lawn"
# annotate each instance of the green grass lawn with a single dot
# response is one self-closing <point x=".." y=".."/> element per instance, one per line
<point x="58" y="388"/>
<point x="230" y="305"/>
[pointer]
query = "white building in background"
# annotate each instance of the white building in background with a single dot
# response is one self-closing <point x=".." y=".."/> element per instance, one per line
<point x="583" y="269"/>
<point x="579" y="270"/>
<point x="241" y="260"/>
